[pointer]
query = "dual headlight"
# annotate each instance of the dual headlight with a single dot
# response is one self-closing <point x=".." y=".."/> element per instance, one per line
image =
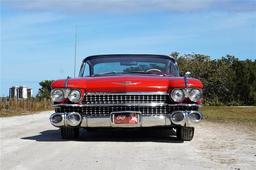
<point x="59" y="95"/>
<point x="178" y="95"/>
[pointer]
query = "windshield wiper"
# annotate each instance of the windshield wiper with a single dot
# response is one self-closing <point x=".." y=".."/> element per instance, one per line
<point x="107" y="73"/>
<point x="143" y="72"/>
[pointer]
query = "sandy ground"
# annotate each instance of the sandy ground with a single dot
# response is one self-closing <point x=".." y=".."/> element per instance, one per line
<point x="30" y="142"/>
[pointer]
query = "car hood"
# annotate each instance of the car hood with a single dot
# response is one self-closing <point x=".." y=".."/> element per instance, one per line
<point x="127" y="83"/>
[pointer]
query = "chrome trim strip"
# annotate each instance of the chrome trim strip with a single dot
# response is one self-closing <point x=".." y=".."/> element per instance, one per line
<point x="180" y="104"/>
<point x="84" y="122"/>
<point x="149" y="121"/>
<point x="105" y="105"/>
<point x="94" y="121"/>
<point x="127" y="93"/>
<point x="145" y="121"/>
<point x="126" y="104"/>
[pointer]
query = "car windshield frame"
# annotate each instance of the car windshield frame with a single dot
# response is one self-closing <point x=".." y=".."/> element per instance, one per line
<point x="170" y="68"/>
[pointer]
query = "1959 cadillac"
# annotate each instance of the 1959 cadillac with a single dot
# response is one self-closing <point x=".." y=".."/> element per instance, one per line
<point x="127" y="91"/>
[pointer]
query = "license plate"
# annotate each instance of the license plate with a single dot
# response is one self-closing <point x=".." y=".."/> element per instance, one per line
<point x="125" y="118"/>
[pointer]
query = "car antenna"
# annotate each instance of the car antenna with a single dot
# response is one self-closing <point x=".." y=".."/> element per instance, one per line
<point x="75" y="51"/>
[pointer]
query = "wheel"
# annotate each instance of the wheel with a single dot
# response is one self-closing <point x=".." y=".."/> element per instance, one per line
<point x="69" y="132"/>
<point x="185" y="133"/>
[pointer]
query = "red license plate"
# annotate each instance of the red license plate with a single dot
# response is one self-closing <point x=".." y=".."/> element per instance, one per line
<point x="126" y="118"/>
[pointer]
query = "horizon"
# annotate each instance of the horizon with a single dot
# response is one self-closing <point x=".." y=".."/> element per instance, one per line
<point x="38" y="38"/>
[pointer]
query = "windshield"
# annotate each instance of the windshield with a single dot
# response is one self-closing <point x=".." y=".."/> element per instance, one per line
<point x="107" y="66"/>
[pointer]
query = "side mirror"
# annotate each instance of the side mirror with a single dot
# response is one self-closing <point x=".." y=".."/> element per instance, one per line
<point x="187" y="74"/>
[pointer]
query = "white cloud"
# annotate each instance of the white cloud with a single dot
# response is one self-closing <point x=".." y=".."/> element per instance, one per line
<point x="131" y="5"/>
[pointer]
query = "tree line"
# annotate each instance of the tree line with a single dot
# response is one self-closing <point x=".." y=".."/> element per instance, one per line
<point x="227" y="81"/>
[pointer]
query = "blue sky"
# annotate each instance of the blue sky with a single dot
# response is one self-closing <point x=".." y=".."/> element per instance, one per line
<point x="37" y="37"/>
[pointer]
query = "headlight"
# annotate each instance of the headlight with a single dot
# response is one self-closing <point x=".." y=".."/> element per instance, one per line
<point x="195" y="95"/>
<point x="74" y="96"/>
<point x="57" y="95"/>
<point x="177" y="95"/>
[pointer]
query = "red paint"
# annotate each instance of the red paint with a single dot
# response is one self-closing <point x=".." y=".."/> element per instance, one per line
<point x="127" y="83"/>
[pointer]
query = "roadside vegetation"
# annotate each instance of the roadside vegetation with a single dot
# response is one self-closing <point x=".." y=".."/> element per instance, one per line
<point x="13" y="107"/>
<point x="227" y="81"/>
<point x="229" y="86"/>
<point x="22" y="107"/>
<point x="235" y="114"/>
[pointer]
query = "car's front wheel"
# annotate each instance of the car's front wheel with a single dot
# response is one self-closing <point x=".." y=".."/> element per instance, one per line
<point x="185" y="133"/>
<point x="69" y="132"/>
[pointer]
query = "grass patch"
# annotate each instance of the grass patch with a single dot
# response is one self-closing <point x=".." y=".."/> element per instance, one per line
<point x="23" y="107"/>
<point x="236" y="114"/>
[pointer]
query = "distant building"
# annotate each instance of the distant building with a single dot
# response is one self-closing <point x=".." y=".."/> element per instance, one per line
<point x="29" y="93"/>
<point x="20" y="92"/>
<point x="13" y="92"/>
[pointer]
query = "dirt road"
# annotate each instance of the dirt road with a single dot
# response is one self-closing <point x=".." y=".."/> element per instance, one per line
<point x="30" y="142"/>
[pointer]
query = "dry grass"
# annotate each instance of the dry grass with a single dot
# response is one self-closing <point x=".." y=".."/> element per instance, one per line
<point x="236" y="114"/>
<point x="21" y="107"/>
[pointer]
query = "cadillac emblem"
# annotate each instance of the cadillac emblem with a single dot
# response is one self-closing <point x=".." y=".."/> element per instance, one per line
<point x="126" y="83"/>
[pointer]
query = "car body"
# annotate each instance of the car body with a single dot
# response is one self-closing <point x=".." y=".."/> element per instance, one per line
<point x="127" y="91"/>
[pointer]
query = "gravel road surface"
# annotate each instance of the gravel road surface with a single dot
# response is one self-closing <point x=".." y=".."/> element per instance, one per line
<point x="30" y="142"/>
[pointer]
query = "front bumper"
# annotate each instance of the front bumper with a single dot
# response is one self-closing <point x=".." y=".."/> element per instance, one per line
<point x="76" y="119"/>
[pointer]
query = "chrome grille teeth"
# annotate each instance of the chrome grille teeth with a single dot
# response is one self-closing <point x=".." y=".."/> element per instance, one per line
<point x="124" y="98"/>
<point x="106" y="110"/>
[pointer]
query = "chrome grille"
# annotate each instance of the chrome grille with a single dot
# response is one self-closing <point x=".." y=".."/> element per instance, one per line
<point x="102" y="104"/>
<point x="106" y="110"/>
<point x="123" y="98"/>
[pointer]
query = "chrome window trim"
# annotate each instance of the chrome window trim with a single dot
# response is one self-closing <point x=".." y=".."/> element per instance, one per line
<point x="89" y="58"/>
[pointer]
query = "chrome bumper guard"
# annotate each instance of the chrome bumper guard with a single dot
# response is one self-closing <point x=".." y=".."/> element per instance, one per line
<point x="175" y="118"/>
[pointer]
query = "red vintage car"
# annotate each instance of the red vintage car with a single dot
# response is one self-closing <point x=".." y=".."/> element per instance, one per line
<point x="127" y="91"/>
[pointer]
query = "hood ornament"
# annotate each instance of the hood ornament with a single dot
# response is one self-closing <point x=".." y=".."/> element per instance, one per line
<point x="126" y="83"/>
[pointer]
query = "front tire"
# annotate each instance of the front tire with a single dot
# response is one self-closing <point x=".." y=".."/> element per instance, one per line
<point x="185" y="133"/>
<point x="69" y="132"/>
